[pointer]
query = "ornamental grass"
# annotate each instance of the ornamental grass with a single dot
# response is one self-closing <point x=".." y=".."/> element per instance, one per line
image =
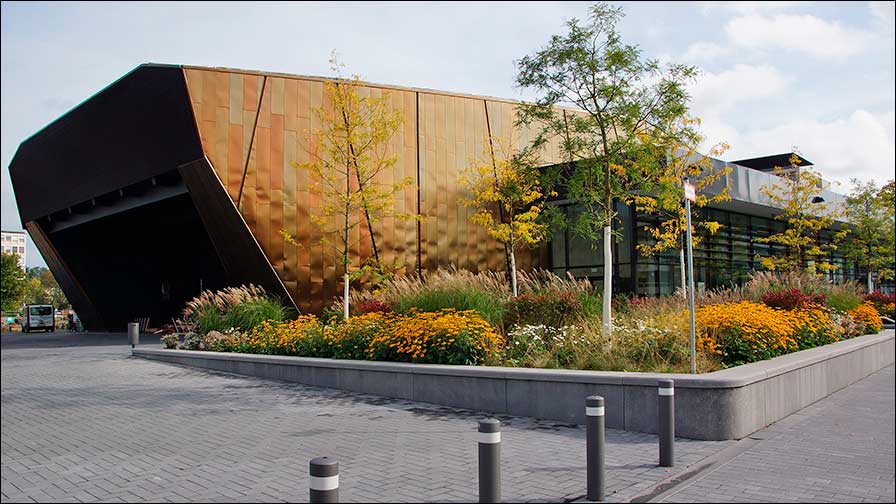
<point x="459" y="317"/>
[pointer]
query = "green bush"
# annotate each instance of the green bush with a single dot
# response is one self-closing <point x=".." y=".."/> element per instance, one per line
<point x="244" y="316"/>
<point x="241" y="308"/>
<point x="554" y="309"/>
<point x="842" y="299"/>
<point x="489" y="307"/>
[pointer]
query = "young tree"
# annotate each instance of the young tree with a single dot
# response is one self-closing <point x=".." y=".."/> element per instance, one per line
<point x="348" y="156"/>
<point x="505" y="190"/>
<point x="797" y="192"/>
<point x="681" y="140"/>
<point x="870" y="243"/>
<point x="12" y="282"/>
<point x="619" y="99"/>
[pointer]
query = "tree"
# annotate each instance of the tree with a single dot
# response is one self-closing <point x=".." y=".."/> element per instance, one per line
<point x="348" y="155"/>
<point x="506" y="192"/>
<point x="681" y="140"/>
<point x="870" y="243"/>
<point x="42" y="288"/>
<point x="12" y="282"/>
<point x="797" y="192"/>
<point x="620" y="100"/>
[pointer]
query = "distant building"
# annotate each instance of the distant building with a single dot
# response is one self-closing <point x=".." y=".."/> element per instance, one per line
<point x="13" y="242"/>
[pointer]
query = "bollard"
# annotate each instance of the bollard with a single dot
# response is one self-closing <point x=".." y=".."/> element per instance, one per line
<point x="324" y="485"/>
<point x="594" y="425"/>
<point x="666" y="427"/>
<point x="133" y="334"/>
<point x="489" y="460"/>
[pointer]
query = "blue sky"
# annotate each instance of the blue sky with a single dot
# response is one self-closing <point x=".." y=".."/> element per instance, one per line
<point x="818" y="76"/>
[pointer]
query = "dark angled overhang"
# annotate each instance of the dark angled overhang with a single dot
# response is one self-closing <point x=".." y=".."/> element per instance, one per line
<point x="769" y="163"/>
<point x="119" y="198"/>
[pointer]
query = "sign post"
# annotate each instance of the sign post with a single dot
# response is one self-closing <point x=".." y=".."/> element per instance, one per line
<point x="690" y="194"/>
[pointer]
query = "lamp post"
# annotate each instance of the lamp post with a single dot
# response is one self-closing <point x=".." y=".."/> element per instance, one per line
<point x="690" y="194"/>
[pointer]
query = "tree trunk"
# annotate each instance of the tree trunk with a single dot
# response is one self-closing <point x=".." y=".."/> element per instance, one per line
<point x="870" y="283"/>
<point x="684" y="283"/>
<point x="345" y="280"/>
<point x="513" y="271"/>
<point x="608" y="280"/>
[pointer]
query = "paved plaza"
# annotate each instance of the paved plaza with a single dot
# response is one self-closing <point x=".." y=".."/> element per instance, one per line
<point x="90" y="423"/>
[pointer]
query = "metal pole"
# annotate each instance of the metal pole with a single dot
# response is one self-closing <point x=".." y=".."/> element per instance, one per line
<point x="133" y="334"/>
<point x="594" y="432"/>
<point x="489" y="460"/>
<point x="666" y="427"/>
<point x="324" y="484"/>
<point x="690" y="247"/>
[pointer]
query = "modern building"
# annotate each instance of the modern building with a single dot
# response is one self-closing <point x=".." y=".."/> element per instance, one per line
<point x="13" y="242"/>
<point x="178" y="178"/>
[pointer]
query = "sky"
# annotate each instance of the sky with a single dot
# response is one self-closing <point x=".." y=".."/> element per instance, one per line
<point x="818" y="76"/>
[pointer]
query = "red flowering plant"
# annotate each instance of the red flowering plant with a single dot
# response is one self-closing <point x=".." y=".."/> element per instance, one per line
<point x="793" y="299"/>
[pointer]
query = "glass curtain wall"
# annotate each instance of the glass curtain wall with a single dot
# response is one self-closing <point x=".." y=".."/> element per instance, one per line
<point x="720" y="260"/>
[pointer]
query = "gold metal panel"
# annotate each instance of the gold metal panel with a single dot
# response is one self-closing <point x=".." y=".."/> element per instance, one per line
<point x="275" y="195"/>
<point x="235" y="99"/>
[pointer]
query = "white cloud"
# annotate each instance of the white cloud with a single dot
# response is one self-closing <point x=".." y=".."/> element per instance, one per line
<point x="749" y="7"/>
<point x="860" y="145"/>
<point x="717" y="93"/>
<point x="802" y="33"/>
<point x="884" y="13"/>
<point x="705" y="51"/>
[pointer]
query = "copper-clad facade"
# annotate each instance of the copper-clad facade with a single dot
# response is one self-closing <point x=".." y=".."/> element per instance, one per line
<point x="254" y="126"/>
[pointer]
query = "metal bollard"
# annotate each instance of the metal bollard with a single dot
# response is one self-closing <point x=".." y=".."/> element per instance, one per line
<point x="324" y="486"/>
<point x="594" y="431"/>
<point x="666" y="427"/>
<point x="133" y="334"/>
<point x="489" y="460"/>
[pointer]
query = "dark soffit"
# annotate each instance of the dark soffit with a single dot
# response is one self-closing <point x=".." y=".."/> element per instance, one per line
<point x="768" y="163"/>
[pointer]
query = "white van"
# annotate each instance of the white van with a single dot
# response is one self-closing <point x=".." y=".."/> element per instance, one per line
<point x="38" y="317"/>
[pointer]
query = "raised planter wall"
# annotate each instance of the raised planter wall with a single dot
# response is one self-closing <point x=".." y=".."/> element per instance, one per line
<point x="727" y="404"/>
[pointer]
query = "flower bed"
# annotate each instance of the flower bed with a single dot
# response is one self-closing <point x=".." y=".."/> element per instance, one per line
<point x="443" y="337"/>
<point x="464" y="318"/>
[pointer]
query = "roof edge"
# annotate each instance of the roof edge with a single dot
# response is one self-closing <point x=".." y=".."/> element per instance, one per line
<point x="396" y="87"/>
<point x="94" y="95"/>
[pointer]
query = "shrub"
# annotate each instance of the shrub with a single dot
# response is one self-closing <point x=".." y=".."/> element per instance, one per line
<point x="485" y="304"/>
<point x="371" y="305"/>
<point x="220" y="341"/>
<point x="843" y="298"/>
<point x="554" y="309"/>
<point x="748" y="332"/>
<point x="302" y="336"/>
<point x="793" y="299"/>
<point x="170" y="340"/>
<point x="248" y="314"/>
<point x="242" y="307"/>
<point x="332" y="314"/>
<point x="528" y="344"/>
<point x="350" y="339"/>
<point x="190" y="341"/>
<point x="868" y="314"/>
<point x="762" y="282"/>
<point x="443" y="337"/>
<point x="884" y="303"/>
<point x="848" y="326"/>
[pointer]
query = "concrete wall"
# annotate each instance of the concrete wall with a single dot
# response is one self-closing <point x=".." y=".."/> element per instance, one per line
<point x="727" y="404"/>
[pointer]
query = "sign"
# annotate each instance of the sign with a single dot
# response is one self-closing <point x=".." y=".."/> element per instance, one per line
<point x="690" y="192"/>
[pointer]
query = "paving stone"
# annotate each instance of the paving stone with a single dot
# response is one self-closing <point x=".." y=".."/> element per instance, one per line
<point x="92" y="424"/>
<point x="840" y="449"/>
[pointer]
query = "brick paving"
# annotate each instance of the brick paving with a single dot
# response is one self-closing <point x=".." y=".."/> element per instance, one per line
<point x="91" y="424"/>
<point x="840" y="449"/>
<point x="88" y="423"/>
